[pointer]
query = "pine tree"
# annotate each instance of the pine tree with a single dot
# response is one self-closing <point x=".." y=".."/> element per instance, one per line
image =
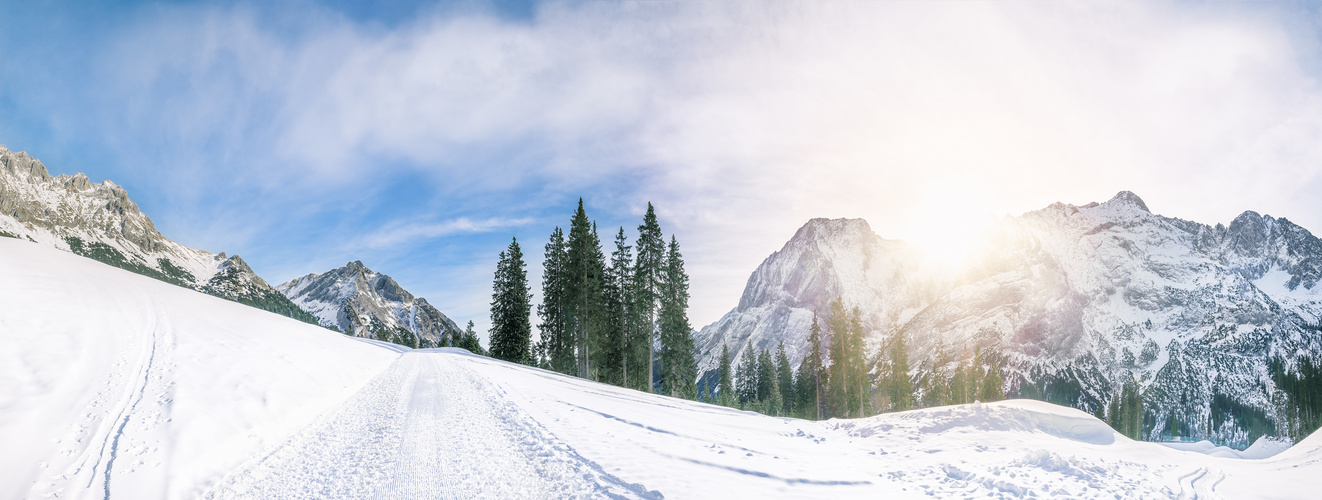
<point x="815" y="372"/>
<point x="469" y="341"/>
<point x="992" y="384"/>
<point x="511" y="328"/>
<point x="1113" y="413"/>
<point x="648" y="276"/>
<point x="766" y="375"/>
<point x="747" y="376"/>
<point x="584" y="269"/>
<point x="618" y="278"/>
<point x="858" y="368"/>
<point x="679" y="368"/>
<point x="803" y="399"/>
<point x="784" y="379"/>
<point x="725" y="387"/>
<point x="556" y="343"/>
<point x="901" y="388"/>
<point x="839" y="392"/>
<point x="959" y="384"/>
<point x="774" y="405"/>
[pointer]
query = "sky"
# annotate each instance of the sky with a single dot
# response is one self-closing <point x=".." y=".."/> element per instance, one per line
<point x="421" y="137"/>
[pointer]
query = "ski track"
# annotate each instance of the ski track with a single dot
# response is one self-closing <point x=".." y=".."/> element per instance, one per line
<point x="427" y="427"/>
<point x="121" y="393"/>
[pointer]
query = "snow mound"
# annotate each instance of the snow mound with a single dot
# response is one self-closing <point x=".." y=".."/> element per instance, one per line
<point x="1020" y="415"/>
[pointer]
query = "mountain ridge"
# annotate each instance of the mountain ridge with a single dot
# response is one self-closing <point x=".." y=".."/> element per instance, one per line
<point x="358" y="301"/>
<point x="100" y="221"/>
<point x="1076" y="299"/>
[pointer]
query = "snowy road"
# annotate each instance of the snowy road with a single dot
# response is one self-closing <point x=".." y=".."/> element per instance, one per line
<point x="426" y="428"/>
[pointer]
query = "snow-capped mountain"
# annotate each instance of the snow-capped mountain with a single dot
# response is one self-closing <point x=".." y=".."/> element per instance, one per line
<point x="99" y="221"/>
<point x="365" y="303"/>
<point x="825" y="259"/>
<point x="1076" y="300"/>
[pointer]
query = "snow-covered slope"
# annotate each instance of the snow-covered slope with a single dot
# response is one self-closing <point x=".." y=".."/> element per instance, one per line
<point x="101" y="222"/>
<point x="115" y="385"/>
<point x="365" y="303"/>
<point x="1076" y="300"/>
<point x="114" y="382"/>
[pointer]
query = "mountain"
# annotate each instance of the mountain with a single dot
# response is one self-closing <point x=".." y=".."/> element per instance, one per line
<point x="358" y="301"/>
<point x="99" y="221"/>
<point x="825" y="259"/>
<point x="113" y="385"/>
<point x="1213" y="322"/>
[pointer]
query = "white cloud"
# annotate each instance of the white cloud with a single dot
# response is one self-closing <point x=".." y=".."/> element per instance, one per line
<point x="413" y="231"/>
<point x="741" y="120"/>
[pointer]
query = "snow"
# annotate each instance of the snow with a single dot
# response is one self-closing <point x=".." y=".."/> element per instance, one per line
<point x="110" y="381"/>
<point x="112" y="384"/>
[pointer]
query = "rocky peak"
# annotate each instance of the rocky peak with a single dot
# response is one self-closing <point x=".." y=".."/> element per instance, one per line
<point x="364" y="303"/>
<point x="823" y="228"/>
<point x="21" y="165"/>
<point x="77" y="182"/>
<point x="356" y="268"/>
<point x="1128" y="198"/>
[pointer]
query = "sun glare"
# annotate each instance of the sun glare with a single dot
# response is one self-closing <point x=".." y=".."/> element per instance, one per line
<point x="948" y="233"/>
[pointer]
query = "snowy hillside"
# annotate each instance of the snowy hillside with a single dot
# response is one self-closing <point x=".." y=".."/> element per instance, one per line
<point x="1075" y="300"/>
<point x="114" y="382"/>
<point x="115" y="385"/>
<point x="365" y="303"/>
<point x="99" y="221"/>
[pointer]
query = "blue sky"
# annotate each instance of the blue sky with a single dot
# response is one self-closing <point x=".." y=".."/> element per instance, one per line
<point x="420" y="137"/>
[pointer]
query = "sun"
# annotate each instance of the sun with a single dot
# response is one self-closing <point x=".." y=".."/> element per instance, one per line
<point x="948" y="235"/>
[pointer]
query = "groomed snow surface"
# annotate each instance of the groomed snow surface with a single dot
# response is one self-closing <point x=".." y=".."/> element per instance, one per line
<point x="116" y="385"/>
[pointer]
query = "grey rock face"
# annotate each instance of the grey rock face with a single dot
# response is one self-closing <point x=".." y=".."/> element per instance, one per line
<point x="364" y="303"/>
<point x="1077" y="300"/>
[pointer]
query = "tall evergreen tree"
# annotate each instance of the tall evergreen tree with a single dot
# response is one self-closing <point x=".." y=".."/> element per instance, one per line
<point x="774" y="405"/>
<point x="840" y="391"/>
<point x="898" y="384"/>
<point x="511" y="328"/>
<point x="678" y="366"/>
<point x="648" y="276"/>
<point x="992" y="383"/>
<point x="725" y="387"/>
<point x="584" y="269"/>
<point x="858" y="368"/>
<point x="747" y="376"/>
<point x="784" y="379"/>
<point x="617" y="288"/>
<point x="766" y="375"/>
<point x="556" y="343"/>
<point x="815" y="371"/>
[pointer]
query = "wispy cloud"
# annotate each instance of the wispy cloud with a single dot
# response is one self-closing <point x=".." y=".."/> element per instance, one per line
<point x="414" y="233"/>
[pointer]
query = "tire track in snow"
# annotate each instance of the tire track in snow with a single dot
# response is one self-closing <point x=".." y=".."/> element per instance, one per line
<point x="425" y="428"/>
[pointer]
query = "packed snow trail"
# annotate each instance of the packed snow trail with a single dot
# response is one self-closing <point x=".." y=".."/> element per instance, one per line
<point x="426" y="428"/>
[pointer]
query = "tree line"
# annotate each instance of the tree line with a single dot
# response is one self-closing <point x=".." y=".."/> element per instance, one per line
<point x="621" y="319"/>
<point x="836" y="378"/>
